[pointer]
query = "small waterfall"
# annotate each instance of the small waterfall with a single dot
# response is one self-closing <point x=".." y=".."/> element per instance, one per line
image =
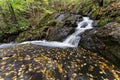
<point x="82" y="26"/>
<point x="70" y="41"/>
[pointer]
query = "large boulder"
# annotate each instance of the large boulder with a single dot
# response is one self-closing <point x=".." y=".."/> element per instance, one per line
<point x="66" y="24"/>
<point x="104" y="40"/>
<point x="91" y="42"/>
<point x="110" y="31"/>
<point x="110" y="35"/>
<point x="30" y="62"/>
<point x="72" y="20"/>
<point x="58" y="33"/>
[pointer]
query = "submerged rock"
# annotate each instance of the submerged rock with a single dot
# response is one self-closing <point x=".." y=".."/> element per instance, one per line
<point x="105" y="40"/>
<point x="30" y="62"/>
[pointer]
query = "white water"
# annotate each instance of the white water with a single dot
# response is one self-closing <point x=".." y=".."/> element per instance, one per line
<point x="70" y="41"/>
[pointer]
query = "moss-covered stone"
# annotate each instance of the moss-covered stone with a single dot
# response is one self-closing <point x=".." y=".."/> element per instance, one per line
<point x="33" y="34"/>
<point x="117" y="19"/>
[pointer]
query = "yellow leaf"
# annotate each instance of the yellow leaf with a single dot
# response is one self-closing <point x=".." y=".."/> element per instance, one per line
<point x="30" y="1"/>
<point x="45" y="2"/>
<point x="91" y="68"/>
<point x="43" y="71"/>
<point x="1" y="79"/>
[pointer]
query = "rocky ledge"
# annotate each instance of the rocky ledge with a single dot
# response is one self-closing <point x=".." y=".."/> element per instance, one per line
<point x="30" y="62"/>
<point x="104" y="40"/>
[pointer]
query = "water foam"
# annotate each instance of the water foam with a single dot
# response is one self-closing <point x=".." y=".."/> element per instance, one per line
<point x="70" y="41"/>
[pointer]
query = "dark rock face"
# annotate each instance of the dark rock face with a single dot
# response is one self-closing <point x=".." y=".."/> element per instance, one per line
<point x="5" y="38"/>
<point x="67" y="19"/>
<point x="67" y="24"/>
<point x="105" y="40"/>
<point x="72" y="20"/>
<point x="91" y="42"/>
<point x="62" y="17"/>
<point x="58" y="33"/>
<point x="110" y="35"/>
<point x="111" y="30"/>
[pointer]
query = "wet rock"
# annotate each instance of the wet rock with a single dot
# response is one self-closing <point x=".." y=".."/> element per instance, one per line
<point x="72" y="20"/>
<point x="67" y="24"/>
<point x="56" y="15"/>
<point x="67" y="19"/>
<point x="91" y="42"/>
<point x="111" y="30"/>
<point x="62" y="17"/>
<point x="30" y="62"/>
<point x="58" y="33"/>
<point x="104" y="40"/>
<point x="110" y="35"/>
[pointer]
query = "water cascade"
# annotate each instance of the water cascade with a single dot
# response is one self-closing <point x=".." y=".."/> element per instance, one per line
<point x="70" y="41"/>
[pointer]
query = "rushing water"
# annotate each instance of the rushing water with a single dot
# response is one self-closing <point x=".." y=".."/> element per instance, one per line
<point x="70" y="41"/>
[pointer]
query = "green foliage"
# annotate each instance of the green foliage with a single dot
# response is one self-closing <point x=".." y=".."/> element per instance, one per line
<point x="38" y="13"/>
<point x="18" y="5"/>
<point x="2" y="2"/>
<point x="48" y="10"/>
<point x="107" y="13"/>
<point x="118" y="19"/>
<point x="13" y="28"/>
<point x="104" y="21"/>
<point x="32" y="34"/>
<point x="46" y="2"/>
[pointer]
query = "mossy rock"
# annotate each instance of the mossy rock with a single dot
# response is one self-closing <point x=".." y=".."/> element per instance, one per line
<point x="104" y="21"/>
<point x="117" y="19"/>
<point x="33" y="34"/>
<point x="105" y="41"/>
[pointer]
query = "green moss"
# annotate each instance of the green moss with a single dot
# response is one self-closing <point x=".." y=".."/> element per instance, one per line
<point x="104" y="21"/>
<point x="33" y="34"/>
<point x="52" y="23"/>
<point x="45" y="19"/>
<point x="108" y="12"/>
<point x="14" y="28"/>
<point x="117" y="19"/>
